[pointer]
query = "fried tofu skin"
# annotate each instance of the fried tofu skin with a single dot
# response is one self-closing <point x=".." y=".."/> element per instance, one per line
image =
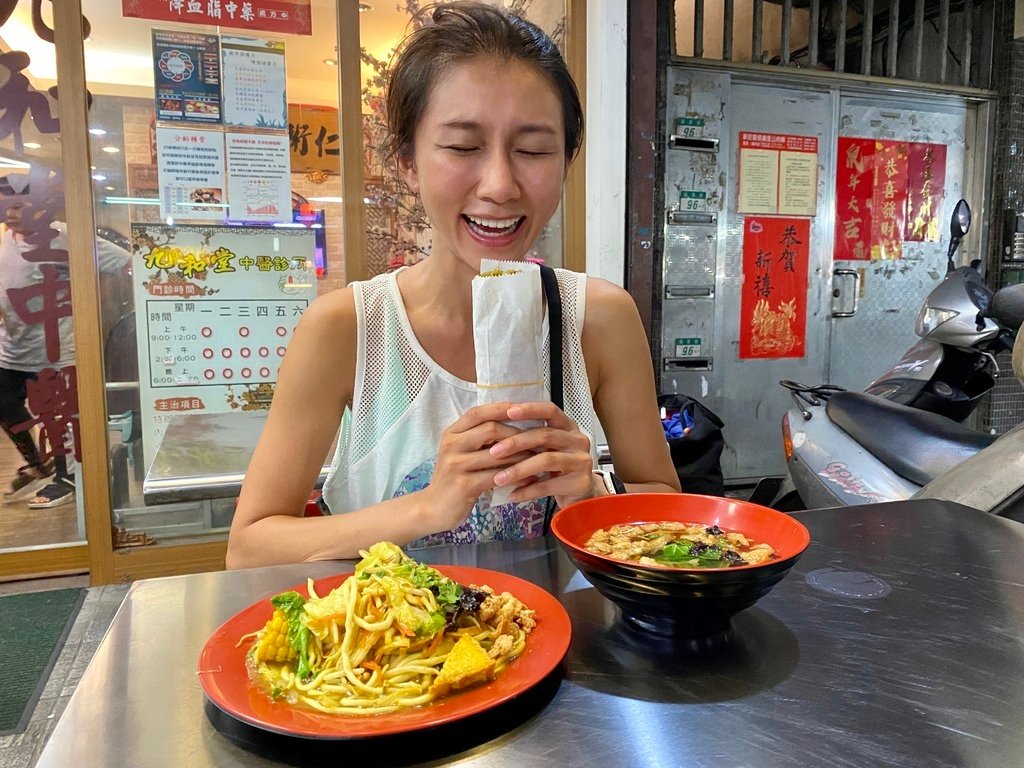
<point x="467" y="664"/>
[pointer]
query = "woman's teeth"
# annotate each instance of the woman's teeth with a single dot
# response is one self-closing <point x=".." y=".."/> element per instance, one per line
<point x="493" y="227"/>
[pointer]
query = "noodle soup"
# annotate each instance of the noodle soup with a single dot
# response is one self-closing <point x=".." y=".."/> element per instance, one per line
<point x="678" y="545"/>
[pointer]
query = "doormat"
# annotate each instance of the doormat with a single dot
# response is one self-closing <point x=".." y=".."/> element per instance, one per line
<point x="33" y="629"/>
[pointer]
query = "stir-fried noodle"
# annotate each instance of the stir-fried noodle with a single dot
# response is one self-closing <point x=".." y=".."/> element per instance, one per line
<point x="384" y="639"/>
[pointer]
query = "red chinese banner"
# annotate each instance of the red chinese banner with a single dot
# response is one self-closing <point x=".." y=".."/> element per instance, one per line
<point x="889" y="204"/>
<point x="855" y="182"/>
<point x="284" y="16"/>
<point x="773" y="303"/>
<point x="887" y="192"/>
<point x="926" y="179"/>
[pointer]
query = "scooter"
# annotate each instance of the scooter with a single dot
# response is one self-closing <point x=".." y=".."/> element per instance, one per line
<point x="887" y="443"/>
<point x="861" y="449"/>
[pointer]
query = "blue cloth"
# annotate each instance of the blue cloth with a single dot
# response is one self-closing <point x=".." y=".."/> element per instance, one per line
<point x="678" y="424"/>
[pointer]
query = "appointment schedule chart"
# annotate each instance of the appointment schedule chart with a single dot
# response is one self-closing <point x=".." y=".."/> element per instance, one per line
<point x="217" y="308"/>
<point x="218" y="342"/>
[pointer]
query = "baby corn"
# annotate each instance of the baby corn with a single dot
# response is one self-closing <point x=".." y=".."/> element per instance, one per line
<point x="274" y="645"/>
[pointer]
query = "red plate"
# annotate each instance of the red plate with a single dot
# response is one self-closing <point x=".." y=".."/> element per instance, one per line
<point x="224" y="679"/>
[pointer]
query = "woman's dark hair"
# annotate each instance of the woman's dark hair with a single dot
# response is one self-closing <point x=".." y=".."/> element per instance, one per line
<point x="461" y="31"/>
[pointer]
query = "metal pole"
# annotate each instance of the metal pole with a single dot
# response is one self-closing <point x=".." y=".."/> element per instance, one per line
<point x="968" y="39"/>
<point x="727" y="31"/>
<point x="894" y="38"/>
<point x="698" y="29"/>
<point x="943" y="38"/>
<point x="757" y="27"/>
<point x="787" y="23"/>
<point x="918" y="38"/>
<point x="812" y="34"/>
<point x="840" y="65"/>
<point x="867" y="32"/>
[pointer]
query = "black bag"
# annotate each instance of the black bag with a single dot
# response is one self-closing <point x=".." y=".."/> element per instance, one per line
<point x="697" y="455"/>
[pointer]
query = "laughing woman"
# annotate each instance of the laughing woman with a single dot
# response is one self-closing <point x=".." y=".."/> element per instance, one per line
<point x="484" y="121"/>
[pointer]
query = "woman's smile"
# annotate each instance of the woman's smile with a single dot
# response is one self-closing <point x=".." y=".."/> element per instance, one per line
<point x="494" y="232"/>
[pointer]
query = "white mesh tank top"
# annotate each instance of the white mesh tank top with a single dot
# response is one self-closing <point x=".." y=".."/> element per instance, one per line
<point x="403" y="401"/>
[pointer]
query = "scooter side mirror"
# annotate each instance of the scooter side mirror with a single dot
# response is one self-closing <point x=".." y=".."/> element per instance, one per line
<point x="959" y="223"/>
<point x="1007" y="306"/>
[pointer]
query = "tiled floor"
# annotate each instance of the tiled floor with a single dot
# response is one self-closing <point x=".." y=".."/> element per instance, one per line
<point x="101" y="603"/>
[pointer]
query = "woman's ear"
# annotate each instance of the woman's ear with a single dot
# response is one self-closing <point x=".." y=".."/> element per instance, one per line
<point x="407" y="171"/>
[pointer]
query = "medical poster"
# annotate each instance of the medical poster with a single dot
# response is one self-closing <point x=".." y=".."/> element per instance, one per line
<point x="216" y="308"/>
<point x="190" y="168"/>
<point x="186" y="74"/>
<point x="254" y="83"/>
<point x="773" y="299"/>
<point x="259" y="177"/>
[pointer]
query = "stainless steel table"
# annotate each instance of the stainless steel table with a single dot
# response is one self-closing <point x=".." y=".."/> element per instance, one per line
<point x="897" y="640"/>
<point x="205" y="456"/>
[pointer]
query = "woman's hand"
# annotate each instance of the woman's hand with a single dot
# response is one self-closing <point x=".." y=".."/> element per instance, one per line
<point x="465" y="466"/>
<point x="552" y="460"/>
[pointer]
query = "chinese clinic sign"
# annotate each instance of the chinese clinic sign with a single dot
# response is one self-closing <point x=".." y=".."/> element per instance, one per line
<point x="773" y="303"/>
<point x="282" y="16"/>
<point x="216" y="308"/>
<point x="887" y="193"/>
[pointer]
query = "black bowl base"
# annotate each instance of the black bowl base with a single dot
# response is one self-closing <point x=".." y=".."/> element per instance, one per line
<point x="704" y="630"/>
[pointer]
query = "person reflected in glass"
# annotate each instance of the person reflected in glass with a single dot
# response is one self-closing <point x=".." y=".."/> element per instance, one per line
<point x="484" y="121"/>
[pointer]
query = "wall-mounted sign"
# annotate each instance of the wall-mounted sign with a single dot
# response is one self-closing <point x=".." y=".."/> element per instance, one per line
<point x="190" y="164"/>
<point x="186" y="74"/>
<point x="773" y="302"/>
<point x="314" y="138"/>
<point x="778" y="174"/>
<point x="216" y="309"/>
<point x="283" y="16"/>
<point x="254" y="83"/>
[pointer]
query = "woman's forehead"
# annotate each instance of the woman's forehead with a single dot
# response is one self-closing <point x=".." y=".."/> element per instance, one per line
<point x="485" y="89"/>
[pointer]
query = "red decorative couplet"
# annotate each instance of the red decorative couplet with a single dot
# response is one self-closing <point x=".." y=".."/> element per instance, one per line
<point x="889" y="205"/>
<point x="285" y="16"/>
<point x="773" y="305"/>
<point x="926" y="180"/>
<point x="855" y="182"/>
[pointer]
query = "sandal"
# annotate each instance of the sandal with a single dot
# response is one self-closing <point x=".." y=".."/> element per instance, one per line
<point x="60" y="491"/>
<point x="28" y="478"/>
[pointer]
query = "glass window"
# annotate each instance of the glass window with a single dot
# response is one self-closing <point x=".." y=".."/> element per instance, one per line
<point x="38" y="379"/>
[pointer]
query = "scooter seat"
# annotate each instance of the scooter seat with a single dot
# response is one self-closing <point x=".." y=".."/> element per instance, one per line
<point x="915" y="444"/>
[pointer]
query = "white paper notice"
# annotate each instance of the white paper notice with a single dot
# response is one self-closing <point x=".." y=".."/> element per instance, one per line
<point x="254" y="82"/>
<point x="259" y="177"/>
<point x="190" y="168"/>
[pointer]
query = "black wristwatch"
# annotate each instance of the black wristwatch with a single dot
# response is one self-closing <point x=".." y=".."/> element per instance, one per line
<point x="612" y="483"/>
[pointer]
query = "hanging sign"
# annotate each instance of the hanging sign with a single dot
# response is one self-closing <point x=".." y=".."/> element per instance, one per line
<point x="283" y="16"/>
<point x="778" y="174"/>
<point x="773" y="303"/>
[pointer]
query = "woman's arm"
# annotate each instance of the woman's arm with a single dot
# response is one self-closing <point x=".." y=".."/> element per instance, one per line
<point x="625" y="394"/>
<point x="314" y="385"/>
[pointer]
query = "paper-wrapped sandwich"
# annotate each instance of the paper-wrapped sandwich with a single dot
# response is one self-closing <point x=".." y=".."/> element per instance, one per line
<point x="508" y="331"/>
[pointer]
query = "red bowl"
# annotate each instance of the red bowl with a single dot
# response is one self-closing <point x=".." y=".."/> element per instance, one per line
<point x="680" y="601"/>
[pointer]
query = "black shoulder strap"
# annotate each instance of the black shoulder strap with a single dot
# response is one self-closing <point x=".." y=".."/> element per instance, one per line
<point x="550" y="283"/>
